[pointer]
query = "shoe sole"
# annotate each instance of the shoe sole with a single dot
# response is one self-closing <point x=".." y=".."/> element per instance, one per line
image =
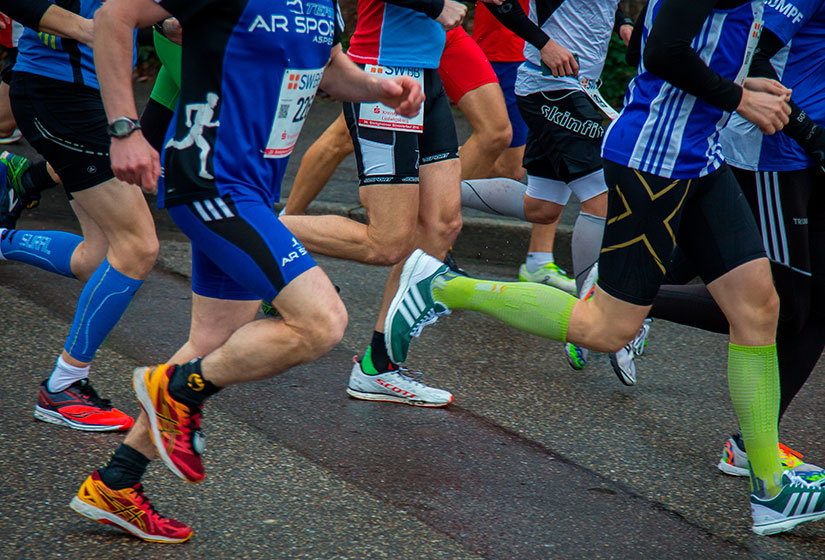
<point x="619" y="373"/>
<point x="58" y="419"/>
<point x="139" y="385"/>
<point x="107" y="518"/>
<point x="403" y="287"/>
<point x="786" y="525"/>
<point x="732" y="470"/>
<point x="391" y="398"/>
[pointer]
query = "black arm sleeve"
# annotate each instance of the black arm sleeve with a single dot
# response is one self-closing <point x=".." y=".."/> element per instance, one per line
<point x="512" y="16"/>
<point x="28" y="13"/>
<point x="669" y="55"/>
<point x="432" y="8"/>
<point x="633" y="54"/>
<point x="800" y="127"/>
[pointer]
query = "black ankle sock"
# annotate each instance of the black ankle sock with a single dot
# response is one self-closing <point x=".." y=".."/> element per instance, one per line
<point x="188" y="385"/>
<point x="380" y="358"/>
<point x="41" y="180"/>
<point x="124" y="469"/>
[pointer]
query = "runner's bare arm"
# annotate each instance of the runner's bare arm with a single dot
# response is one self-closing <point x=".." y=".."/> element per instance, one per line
<point x="42" y="15"/>
<point x="133" y="159"/>
<point x="344" y="80"/>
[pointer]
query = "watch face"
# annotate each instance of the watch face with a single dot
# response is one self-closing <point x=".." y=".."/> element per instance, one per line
<point x="121" y="127"/>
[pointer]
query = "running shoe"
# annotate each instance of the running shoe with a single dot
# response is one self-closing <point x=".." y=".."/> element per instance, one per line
<point x="128" y="509"/>
<point x="796" y="503"/>
<point x="399" y="385"/>
<point x="450" y="261"/>
<point x="175" y="426"/>
<point x="15" y="136"/>
<point x="576" y="355"/>
<point x="549" y="274"/>
<point x="734" y="461"/>
<point x="624" y="361"/>
<point x="79" y="407"/>
<point x="413" y="306"/>
<point x="14" y="194"/>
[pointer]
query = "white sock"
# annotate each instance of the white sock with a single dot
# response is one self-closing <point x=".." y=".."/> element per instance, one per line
<point x="537" y="260"/>
<point x="65" y="374"/>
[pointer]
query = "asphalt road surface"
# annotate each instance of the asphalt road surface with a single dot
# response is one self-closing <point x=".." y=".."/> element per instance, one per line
<point x="532" y="461"/>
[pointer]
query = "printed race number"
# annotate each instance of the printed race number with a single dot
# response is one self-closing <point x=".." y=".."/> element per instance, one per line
<point x="298" y="90"/>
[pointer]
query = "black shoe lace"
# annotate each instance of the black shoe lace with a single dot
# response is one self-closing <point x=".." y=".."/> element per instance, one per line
<point x="88" y="393"/>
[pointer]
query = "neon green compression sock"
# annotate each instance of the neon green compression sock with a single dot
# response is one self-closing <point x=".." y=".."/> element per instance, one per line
<point x="753" y="381"/>
<point x="529" y="307"/>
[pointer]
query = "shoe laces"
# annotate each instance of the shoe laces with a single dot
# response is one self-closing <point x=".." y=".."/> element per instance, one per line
<point x="637" y="345"/>
<point x="796" y="481"/>
<point x="410" y="375"/>
<point x="89" y="394"/>
<point x="143" y="500"/>
<point x="428" y="318"/>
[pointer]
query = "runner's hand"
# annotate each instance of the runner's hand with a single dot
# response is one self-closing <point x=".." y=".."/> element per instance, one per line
<point x="452" y="14"/>
<point x="403" y="94"/>
<point x="559" y="60"/>
<point x="767" y="111"/>
<point x="135" y="161"/>
<point x="172" y="30"/>
<point x="767" y="85"/>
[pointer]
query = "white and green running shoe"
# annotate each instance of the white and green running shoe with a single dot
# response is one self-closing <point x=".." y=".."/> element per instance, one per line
<point x="549" y="274"/>
<point x="796" y="503"/>
<point x="624" y="361"/>
<point x="576" y="355"/>
<point x="413" y="306"/>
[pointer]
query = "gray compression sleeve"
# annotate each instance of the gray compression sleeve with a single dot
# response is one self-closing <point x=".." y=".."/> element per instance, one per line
<point x="500" y="196"/>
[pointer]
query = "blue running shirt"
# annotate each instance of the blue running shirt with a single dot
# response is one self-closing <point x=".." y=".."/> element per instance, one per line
<point x="248" y="79"/>
<point x="667" y="132"/>
<point x="800" y="24"/>
<point x="57" y="58"/>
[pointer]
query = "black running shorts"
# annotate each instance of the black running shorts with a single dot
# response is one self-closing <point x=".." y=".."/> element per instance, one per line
<point x="66" y="124"/>
<point x="648" y="215"/>
<point x="564" y="135"/>
<point x="391" y="157"/>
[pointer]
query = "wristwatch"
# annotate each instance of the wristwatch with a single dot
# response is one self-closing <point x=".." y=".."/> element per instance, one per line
<point x="122" y="127"/>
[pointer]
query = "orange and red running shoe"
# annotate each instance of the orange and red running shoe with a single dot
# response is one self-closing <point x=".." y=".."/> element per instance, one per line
<point x="175" y="426"/>
<point x="79" y="407"/>
<point x="128" y="509"/>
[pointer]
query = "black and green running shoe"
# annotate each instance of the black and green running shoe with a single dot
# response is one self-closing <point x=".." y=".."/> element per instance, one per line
<point x="15" y="189"/>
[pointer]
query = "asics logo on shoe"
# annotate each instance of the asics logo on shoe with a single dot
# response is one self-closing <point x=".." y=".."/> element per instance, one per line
<point x="395" y="389"/>
<point x="12" y="200"/>
<point x="195" y="382"/>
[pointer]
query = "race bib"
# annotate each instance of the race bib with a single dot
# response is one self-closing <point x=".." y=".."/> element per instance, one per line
<point x="378" y="115"/>
<point x="750" y="49"/>
<point x="297" y="92"/>
<point x="591" y="88"/>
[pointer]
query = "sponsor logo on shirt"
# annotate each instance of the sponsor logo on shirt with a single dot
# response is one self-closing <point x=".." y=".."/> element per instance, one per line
<point x="787" y="9"/>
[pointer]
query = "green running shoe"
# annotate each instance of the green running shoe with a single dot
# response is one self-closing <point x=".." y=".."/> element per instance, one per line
<point x="14" y="196"/>
<point x="796" y="503"/>
<point x="576" y="355"/>
<point x="549" y="274"/>
<point x="413" y="306"/>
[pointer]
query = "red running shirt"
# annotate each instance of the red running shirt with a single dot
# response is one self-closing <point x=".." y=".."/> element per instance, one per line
<point x="498" y="43"/>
